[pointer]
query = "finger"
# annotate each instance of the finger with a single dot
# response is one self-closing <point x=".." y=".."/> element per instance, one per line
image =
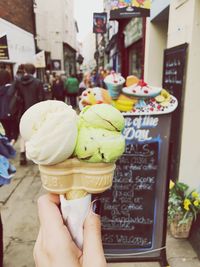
<point x="39" y="254"/>
<point x="92" y="247"/>
<point x="48" y="211"/>
<point x="51" y="220"/>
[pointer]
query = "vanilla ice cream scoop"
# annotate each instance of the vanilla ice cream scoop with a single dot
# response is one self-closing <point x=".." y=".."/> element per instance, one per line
<point x="49" y="129"/>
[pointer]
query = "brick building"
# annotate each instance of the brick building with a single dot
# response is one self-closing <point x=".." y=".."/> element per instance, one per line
<point x="17" y="22"/>
<point x="19" y="14"/>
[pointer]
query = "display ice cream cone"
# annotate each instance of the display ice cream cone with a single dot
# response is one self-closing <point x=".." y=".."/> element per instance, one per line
<point x="73" y="175"/>
<point x="114" y="83"/>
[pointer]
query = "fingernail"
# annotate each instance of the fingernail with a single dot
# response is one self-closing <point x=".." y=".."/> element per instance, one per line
<point x="96" y="206"/>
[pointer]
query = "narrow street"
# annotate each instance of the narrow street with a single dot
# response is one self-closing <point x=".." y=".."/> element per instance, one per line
<point x="18" y="202"/>
<point x="19" y="215"/>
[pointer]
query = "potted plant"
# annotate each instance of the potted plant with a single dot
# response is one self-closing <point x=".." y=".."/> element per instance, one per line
<point x="183" y="207"/>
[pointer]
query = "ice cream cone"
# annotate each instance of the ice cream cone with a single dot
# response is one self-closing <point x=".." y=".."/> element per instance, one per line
<point x="75" y="194"/>
<point x="114" y="83"/>
<point x="75" y="178"/>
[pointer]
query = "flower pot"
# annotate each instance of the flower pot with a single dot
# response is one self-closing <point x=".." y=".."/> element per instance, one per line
<point x="180" y="230"/>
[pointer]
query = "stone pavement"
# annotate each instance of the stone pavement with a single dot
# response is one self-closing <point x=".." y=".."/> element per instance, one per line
<point x="18" y="203"/>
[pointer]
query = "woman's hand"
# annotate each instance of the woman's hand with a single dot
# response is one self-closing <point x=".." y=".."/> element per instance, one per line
<point x="54" y="246"/>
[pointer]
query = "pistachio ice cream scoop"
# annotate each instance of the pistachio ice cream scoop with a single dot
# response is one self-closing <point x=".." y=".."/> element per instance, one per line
<point x="99" y="135"/>
<point x="101" y="116"/>
<point x="99" y="145"/>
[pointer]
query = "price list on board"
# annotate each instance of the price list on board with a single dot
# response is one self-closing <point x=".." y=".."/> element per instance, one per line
<point x="128" y="208"/>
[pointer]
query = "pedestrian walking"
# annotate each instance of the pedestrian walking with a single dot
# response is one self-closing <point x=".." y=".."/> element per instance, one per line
<point x="6" y="172"/>
<point x="30" y="90"/>
<point x="85" y="83"/>
<point x="95" y="78"/>
<point x="9" y="122"/>
<point x="72" y="89"/>
<point x="58" y="91"/>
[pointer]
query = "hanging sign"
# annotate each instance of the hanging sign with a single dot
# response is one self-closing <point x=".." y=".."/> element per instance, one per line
<point x="4" y="48"/>
<point x="39" y="60"/>
<point x="55" y="64"/>
<point x="99" y="22"/>
<point x="123" y="9"/>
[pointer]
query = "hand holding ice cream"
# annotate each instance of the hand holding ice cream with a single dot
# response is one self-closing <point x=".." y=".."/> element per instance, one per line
<point x="56" y="140"/>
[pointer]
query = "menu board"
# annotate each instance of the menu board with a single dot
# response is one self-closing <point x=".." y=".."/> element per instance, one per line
<point x="4" y="54"/>
<point x="133" y="210"/>
<point x="131" y="213"/>
<point x="174" y="69"/>
<point x="173" y="80"/>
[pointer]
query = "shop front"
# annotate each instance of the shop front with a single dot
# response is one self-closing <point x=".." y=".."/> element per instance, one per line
<point x="134" y="39"/>
<point x="21" y="46"/>
<point x="131" y="19"/>
<point x="173" y="46"/>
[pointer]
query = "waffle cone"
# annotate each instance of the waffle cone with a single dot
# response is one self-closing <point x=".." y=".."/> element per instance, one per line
<point x="75" y="194"/>
<point x="73" y="175"/>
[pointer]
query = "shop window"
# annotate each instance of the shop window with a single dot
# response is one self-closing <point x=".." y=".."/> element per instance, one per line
<point x="135" y="65"/>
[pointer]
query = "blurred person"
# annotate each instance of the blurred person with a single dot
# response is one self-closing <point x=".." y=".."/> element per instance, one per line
<point x="19" y="73"/>
<point x="85" y="83"/>
<point x="95" y="79"/>
<point x="30" y="90"/>
<point x="54" y="245"/>
<point x="108" y="70"/>
<point x="6" y="173"/>
<point x="47" y="86"/>
<point x="58" y="91"/>
<point x="52" y="77"/>
<point x="72" y="89"/>
<point x="9" y="123"/>
<point x="102" y="75"/>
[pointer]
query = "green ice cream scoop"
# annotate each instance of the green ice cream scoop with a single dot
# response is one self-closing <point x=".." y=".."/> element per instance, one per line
<point x="99" y="145"/>
<point x="101" y="116"/>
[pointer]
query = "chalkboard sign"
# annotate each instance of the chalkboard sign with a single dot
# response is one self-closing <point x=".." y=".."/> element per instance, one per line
<point x="134" y="209"/>
<point x="174" y="69"/>
<point x="173" y="81"/>
<point x="133" y="198"/>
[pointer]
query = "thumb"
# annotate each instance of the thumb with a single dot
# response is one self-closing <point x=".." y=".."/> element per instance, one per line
<point x="92" y="245"/>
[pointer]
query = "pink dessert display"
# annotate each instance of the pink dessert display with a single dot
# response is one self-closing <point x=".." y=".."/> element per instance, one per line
<point x="151" y="100"/>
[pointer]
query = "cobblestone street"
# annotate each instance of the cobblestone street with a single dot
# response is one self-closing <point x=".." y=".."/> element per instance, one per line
<point x="19" y="214"/>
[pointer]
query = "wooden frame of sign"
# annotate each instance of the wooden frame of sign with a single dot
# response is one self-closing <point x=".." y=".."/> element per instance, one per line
<point x="134" y="210"/>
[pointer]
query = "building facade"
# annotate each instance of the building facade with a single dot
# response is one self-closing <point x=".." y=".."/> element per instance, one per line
<point x="175" y="23"/>
<point x="56" y="34"/>
<point x="17" y="23"/>
<point x="126" y="42"/>
<point x="172" y="48"/>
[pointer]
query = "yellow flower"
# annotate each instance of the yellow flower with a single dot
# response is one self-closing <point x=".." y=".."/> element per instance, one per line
<point x="171" y="184"/>
<point x="186" y="203"/>
<point x="196" y="203"/>
<point x="195" y="194"/>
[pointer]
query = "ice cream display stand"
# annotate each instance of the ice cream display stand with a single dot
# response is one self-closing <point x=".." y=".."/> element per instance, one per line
<point x="134" y="210"/>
